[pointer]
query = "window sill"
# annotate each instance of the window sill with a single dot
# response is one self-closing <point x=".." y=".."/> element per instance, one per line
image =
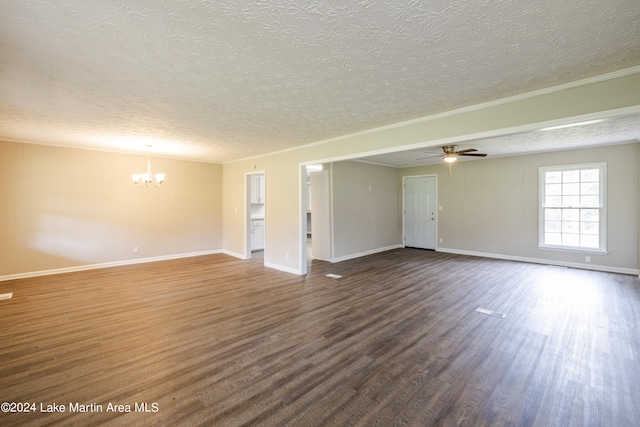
<point x="574" y="250"/>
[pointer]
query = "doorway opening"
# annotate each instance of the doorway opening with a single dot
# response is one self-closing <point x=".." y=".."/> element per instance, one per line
<point x="255" y="208"/>
<point x="315" y="214"/>
<point x="312" y="196"/>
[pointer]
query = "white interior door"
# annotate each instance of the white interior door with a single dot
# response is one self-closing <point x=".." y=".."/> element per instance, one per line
<point x="420" y="212"/>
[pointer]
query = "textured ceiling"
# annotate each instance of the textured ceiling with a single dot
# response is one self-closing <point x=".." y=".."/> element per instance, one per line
<point x="222" y="80"/>
<point x="618" y="130"/>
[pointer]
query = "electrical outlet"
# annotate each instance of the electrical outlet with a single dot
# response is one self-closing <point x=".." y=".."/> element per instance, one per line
<point x="587" y="258"/>
<point x="441" y="240"/>
<point x="286" y="255"/>
<point x="135" y="249"/>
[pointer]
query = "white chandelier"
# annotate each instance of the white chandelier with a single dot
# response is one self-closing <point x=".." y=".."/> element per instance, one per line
<point x="148" y="178"/>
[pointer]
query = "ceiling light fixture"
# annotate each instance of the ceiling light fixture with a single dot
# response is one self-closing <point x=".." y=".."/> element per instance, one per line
<point x="148" y="178"/>
<point x="450" y="157"/>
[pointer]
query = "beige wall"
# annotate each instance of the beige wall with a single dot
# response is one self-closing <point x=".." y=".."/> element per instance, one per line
<point x="284" y="239"/>
<point x="365" y="214"/>
<point x="490" y="206"/>
<point x="64" y="208"/>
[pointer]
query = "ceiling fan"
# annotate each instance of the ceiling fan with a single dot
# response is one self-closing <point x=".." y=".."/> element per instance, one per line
<point x="451" y="154"/>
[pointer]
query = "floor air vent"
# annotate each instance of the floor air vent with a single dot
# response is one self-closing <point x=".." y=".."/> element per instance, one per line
<point x="6" y="296"/>
<point x="334" y="276"/>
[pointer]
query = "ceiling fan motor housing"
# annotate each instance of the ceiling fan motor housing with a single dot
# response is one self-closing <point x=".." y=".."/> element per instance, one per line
<point x="450" y="149"/>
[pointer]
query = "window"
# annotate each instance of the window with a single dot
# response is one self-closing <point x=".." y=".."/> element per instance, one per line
<point x="573" y="208"/>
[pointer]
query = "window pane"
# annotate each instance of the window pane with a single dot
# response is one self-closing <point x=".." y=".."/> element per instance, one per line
<point x="570" y="201"/>
<point x="553" y="239"/>
<point x="590" y="201"/>
<point x="571" y="189"/>
<point x="571" y="176"/>
<point x="590" y="175"/>
<point x="591" y="228"/>
<point x="571" y="214"/>
<point x="553" y="177"/>
<point x="590" y="188"/>
<point x="571" y="227"/>
<point x="590" y="242"/>
<point x="589" y="215"/>
<point x="571" y="240"/>
<point x="553" y="189"/>
<point x="553" y="214"/>
<point x="553" y="201"/>
<point x="553" y="226"/>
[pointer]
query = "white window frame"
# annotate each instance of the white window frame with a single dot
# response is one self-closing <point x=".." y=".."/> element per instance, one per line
<point x="602" y="249"/>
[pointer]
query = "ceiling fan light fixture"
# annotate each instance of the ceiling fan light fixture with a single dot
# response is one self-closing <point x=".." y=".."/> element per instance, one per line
<point x="450" y="157"/>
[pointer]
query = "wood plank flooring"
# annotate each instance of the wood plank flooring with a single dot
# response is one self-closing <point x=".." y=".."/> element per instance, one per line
<point x="218" y="341"/>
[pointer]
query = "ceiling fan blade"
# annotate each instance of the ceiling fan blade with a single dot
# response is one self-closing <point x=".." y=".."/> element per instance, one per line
<point x="468" y="150"/>
<point x="474" y="154"/>
<point x="430" y="157"/>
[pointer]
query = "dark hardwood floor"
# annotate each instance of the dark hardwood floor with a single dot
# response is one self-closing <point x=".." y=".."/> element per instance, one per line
<point x="218" y="341"/>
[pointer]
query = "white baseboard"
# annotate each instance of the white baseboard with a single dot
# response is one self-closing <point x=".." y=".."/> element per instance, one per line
<point x="233" y="254"/>
<point x="365" y="253"/>
<point x="105" y="265"/>
<point x="283" y="268"/>
<point x="621" y="270"/>
<point x="584" y="266"/>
